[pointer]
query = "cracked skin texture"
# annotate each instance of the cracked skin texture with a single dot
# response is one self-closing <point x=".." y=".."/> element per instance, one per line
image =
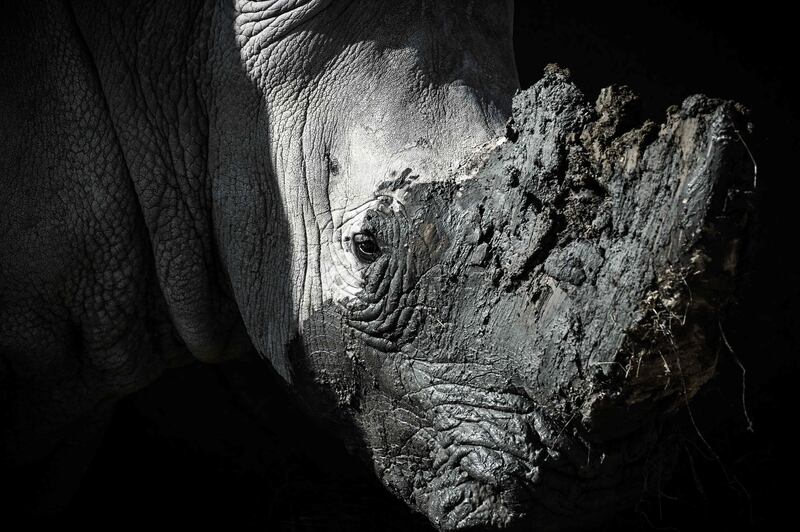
<point x="518" y="348"/>
<point x="193" y="185"/>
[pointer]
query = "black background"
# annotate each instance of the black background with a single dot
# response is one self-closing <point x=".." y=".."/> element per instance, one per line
<point x="190" y="450"/>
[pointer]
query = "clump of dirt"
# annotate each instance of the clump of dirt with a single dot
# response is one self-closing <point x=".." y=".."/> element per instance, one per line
<point x="648" y="225"/>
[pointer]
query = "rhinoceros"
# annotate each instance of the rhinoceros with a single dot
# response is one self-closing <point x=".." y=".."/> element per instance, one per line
<point x="496" y="297"/>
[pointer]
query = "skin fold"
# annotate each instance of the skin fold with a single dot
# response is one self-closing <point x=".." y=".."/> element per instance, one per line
<point x="203" y="178"/>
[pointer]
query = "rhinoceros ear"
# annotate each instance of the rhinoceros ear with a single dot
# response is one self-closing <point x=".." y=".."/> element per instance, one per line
<point x="259" y="24"/>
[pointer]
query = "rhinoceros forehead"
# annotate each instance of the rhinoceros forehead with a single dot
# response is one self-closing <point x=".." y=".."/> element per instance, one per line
<point x="369" y="177"/>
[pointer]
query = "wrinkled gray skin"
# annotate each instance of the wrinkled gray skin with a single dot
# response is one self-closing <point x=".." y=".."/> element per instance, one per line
<point x="195" y="178"/>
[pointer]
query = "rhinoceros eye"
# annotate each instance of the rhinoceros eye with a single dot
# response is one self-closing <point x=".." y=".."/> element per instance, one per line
<point x="365" y="247"/>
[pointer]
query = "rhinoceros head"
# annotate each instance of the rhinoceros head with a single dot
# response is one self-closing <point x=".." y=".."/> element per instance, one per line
<point x="494" y="317"/>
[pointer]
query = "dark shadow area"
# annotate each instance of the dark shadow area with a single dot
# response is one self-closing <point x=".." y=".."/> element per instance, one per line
<point x="192" y="450"/>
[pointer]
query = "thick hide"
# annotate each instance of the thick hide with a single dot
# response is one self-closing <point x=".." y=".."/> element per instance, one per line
<point x="532" y="321"/>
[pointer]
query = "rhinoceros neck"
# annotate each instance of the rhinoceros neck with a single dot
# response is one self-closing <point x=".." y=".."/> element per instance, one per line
<point x="156" y="62"/>
<point x="193" y="127"/>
